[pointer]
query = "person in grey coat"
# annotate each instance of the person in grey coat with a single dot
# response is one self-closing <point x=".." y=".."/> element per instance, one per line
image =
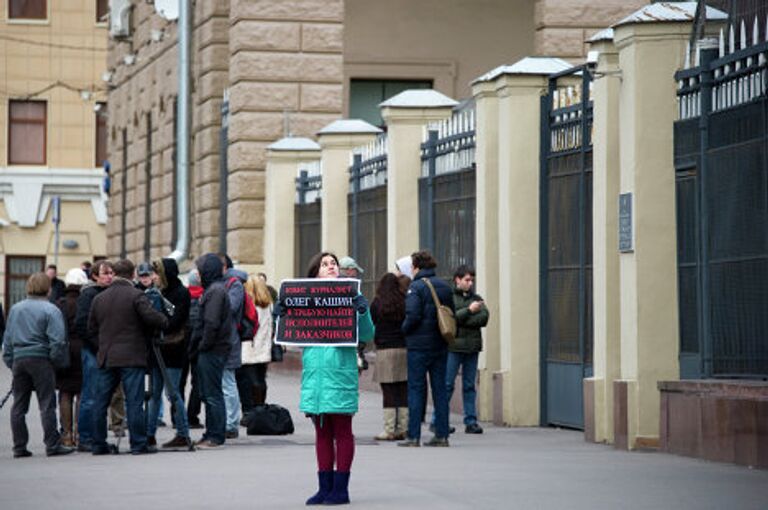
<point x="34" y="345"/>
<point x="234" y="283"/>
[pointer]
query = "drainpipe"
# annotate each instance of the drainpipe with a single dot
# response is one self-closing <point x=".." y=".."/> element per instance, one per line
<point x="181" y="251"/>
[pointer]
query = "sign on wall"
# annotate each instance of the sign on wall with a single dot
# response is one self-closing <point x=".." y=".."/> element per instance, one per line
<point x="626" y="235"/>
<point x="318" y="312"/>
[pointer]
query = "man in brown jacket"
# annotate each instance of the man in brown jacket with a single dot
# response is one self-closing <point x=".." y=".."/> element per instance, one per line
<point x="122" y="318"/>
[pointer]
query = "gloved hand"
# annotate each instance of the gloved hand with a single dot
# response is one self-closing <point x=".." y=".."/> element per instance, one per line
<point x="360" y="304"/>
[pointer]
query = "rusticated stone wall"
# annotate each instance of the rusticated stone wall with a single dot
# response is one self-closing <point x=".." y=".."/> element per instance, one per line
<point x="563" y="26"/>
<point x="285" y="59"/>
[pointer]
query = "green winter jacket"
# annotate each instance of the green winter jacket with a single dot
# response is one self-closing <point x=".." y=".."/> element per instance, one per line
<point x="468" y="337"/>
<point x="329" y="379"/>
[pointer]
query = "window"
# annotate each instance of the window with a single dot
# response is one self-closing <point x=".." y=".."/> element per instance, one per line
<point x="27" y="9"/>
<point x="102" y="10"/>
<point x="17" y="270"/>
<point x="101" y="134"/>
<point x="26" y="132"/>
<point x="365" y="96"/>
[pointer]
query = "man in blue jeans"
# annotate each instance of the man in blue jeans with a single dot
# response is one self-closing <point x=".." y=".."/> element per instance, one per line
<point x="212" y="347"/>
<point x="471" y="316"/>
<point x="120" y="318"/>
<point x="102" y="274"/>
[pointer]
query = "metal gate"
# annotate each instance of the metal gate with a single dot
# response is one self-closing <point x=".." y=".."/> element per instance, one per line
<point x="721" y="170"/>
<point x="367" y="205"/>
<point x="566" y="247"/>
<point x="447" y="193"/>
<point x="307" y="217"/>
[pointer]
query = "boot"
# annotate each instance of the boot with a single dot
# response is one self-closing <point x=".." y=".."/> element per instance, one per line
<point x="389" y="425"/>
<point x="65" y="411"/>
<point x="401" y="428"/>
<point x="325" y="481"/>
<point x="340" y="493"/>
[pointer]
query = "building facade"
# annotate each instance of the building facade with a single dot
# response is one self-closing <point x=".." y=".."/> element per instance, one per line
<point x="53" y="143"/>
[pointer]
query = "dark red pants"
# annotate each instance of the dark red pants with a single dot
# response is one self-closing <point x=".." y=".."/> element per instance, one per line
<point x="334" y="442"/>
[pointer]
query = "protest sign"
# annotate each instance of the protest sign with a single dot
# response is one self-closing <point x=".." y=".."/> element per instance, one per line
<point x="318" y="312"/>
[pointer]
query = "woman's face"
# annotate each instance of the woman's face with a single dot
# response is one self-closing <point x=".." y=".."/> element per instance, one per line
<point x="328" y="268"/>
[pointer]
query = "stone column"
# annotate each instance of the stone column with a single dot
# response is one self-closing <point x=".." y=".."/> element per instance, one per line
<point x="649" y="55"/>
<point x="337" y="140"/>
<point x="487" y="245"/>
<point x="406" y="115"/>
<point x="520" y="88"/>
<point x="598" y="389"/>
<point x="283" y="159"/>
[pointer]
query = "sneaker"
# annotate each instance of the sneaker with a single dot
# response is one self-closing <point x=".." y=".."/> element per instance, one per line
<point x="178" y="442"/>
<point x="206" y="444"/>
<point x="473" y="428"/>
<point x="59" y="450"/>
<point x="20" y="454"/>
<point x="409" y="442"/>
<point x="84" y="447"/>
<point x="437" y="441"/>
<point x="232" y="434"/>
<point x="147" y="450"/>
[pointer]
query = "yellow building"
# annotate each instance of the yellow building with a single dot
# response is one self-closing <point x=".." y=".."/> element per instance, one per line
<point x="53" y="136"/>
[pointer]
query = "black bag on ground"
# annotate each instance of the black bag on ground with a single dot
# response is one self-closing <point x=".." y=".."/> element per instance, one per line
<point x="269" y="420"/>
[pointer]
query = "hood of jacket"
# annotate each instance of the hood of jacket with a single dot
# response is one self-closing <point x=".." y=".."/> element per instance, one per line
<point x="210" y="268"/>
<point x="168" y="272"/>
<point x="240" y="275"/>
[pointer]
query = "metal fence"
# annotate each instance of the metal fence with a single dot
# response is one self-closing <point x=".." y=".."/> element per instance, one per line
<point x="367" y="205"/>
<point x="307" y="218"/>
<point x="721" y="170"/>
<point x="447" y="192"/>
<point x="566" y="245"/>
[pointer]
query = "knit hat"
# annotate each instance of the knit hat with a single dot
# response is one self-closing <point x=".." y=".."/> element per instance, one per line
<point x="405" y="266"/>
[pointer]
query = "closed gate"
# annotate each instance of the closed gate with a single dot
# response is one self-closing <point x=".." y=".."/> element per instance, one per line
<point x="367" y="205"/>
<point x="307" y="217"/>
<point x="566" y="247"/>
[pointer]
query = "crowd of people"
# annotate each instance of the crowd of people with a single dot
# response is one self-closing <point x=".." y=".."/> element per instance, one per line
<point x="97" y="336"/>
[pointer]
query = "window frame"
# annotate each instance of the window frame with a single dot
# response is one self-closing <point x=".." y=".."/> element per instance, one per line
<point x="8" y="276"/>
<point x="32" y="21"/>
<point x="45" y="132"/>
<point x="99" y="21"/>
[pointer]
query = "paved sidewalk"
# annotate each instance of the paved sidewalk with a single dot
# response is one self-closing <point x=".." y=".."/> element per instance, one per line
<point x="504" y="468"/>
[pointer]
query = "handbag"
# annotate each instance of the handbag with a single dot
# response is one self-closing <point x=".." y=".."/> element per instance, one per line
<point x="277" y="353"/>
<point x="446" y="322"/>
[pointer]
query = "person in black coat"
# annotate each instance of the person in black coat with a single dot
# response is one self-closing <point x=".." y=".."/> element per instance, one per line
<point x="427" y="351"/>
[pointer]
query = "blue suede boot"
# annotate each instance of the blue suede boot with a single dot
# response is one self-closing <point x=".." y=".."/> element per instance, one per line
<point x="325" y="481"/>
<point x="340" y="493"/>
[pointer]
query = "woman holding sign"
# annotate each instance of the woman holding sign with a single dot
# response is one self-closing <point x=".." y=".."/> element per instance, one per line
<point x="329" y="396"/>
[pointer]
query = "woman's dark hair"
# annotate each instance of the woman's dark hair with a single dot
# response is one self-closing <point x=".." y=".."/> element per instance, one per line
<point x="390" y="298"/>
<point x="314" y="263"/>
<point x="423" y="260"/>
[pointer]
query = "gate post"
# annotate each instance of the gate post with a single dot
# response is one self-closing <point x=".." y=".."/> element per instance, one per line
<point x="283" y="158"/>
<point x="598" y="389"/>
<point x="337" y="140"/>
<point x="406" y="115"/>
<point x="649" y="54"/>
<point x="487" y="243"/>
<point x="519" y="88"/>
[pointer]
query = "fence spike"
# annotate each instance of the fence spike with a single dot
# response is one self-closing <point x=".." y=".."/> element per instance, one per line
<point x="721" y="44"/>
<point x="731" y="40"/>
<point x="743" y="35"/>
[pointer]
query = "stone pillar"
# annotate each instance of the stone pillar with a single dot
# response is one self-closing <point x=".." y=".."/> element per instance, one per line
<point x="598" y="389"/>
<point x="406" y="115"/>
<point x="337" y="140"/>
<point x="649" y="55"/>
<point x="486" y="241"/>
<point x="283" y="159"/>
<point x="519" y="88"/>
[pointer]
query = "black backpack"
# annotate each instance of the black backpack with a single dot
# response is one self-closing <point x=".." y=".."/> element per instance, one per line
<point x="269" y="420"/>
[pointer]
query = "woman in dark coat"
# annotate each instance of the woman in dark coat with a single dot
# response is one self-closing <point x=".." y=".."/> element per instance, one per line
<point x="391" y="370"/>
<point x="69" y="380"/>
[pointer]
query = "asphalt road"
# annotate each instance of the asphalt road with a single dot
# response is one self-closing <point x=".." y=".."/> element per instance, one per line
<point x="524" y="468"/>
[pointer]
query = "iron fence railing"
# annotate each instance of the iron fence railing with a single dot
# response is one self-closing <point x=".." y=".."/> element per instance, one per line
<point x="449" y="145"/>
<point x="369" y="165"/>
<point x="309" y="183"/>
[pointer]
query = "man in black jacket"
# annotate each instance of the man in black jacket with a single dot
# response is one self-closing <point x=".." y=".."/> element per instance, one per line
<point x="102" y="273"/>
<point x="213" y="349"/>
<point x="427" y="351"/>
